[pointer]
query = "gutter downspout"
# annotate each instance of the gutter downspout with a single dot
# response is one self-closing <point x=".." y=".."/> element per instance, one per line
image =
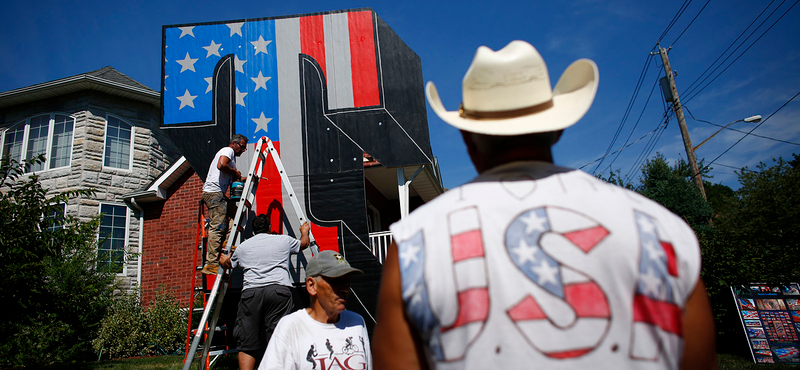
<point x="141" y="240"/>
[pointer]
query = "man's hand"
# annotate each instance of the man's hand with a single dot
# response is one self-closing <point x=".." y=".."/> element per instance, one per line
<point x="304" y="239"/>
<point x="225" y="259"/>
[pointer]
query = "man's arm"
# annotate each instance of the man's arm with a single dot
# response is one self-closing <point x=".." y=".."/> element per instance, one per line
<point x="699" y="349"/>
<point x="304" y="239"/>
<point x="393" y="338"/>
<point x="224" y="165"/>
<point x="225" y="259"/>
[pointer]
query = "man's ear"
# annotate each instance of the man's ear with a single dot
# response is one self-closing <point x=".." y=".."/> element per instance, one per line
<point x="311" y="286"/>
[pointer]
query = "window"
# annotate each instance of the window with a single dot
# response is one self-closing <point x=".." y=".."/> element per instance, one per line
<point x="48" y="134"/>
<point x="55" y="214"/>
<point x="118" y="143"/>
<point x="113" y="237"/>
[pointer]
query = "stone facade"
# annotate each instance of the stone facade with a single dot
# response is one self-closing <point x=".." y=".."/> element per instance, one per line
<point x="152" y="154"/>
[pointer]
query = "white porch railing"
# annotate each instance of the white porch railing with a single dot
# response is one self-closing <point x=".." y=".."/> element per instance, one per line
<point x="379" y="243"/>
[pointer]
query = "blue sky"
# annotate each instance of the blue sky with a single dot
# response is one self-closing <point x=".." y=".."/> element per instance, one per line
<point x="48" y="40"/>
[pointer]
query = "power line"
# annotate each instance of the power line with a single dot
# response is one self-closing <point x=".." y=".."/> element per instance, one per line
<point x="690" y="23"/>
<point x="674" y="19"/>
<point x="688" y="88"/>
<point x="638" y="119"/>
<point x="737" y="130"/>
<point x="745" y="51"/>
<point x="631" y="102"/>
<point x="623" y="148"/>
<point x="754" y="128"/>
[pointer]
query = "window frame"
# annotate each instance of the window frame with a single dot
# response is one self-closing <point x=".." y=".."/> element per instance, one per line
<point x="124" y="270"/>
<point x="48" y="153"/>
<point x="105" y="142"/>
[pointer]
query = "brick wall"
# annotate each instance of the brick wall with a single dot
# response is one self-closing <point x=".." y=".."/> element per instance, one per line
<point x="170" y="229"/>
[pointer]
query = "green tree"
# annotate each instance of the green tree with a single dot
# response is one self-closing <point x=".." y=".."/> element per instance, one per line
<point x="671" y="187"/>
<point x="54" y="297"/>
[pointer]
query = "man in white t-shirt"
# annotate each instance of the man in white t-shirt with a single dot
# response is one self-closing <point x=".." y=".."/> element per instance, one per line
<point x="266" y="294"/>
<point x="325" y="335"/>
<point x="533" y="265"/>
<point x="221" y="173"/>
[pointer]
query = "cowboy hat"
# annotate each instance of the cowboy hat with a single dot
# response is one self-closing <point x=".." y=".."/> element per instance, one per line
<point x="507" y="92"/>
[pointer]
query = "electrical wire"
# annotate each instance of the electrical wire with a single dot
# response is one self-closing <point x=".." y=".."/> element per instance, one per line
<point x="746" y="135"/>
<point x="690" y="23"/>
<point x="628" y="109"/>
<point x="743" y="52"/>
<point x="737" y="130"/>
<point x="674" y="19"/>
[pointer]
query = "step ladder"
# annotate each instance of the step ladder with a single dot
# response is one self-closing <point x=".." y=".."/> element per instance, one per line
<point x="213" y="304"/>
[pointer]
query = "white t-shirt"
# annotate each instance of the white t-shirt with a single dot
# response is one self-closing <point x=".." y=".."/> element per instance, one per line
<point x="532" y="265"/>
<point x="302" y="343"/>
<point x="217" y="181"/>
<point x="265" y="259"/>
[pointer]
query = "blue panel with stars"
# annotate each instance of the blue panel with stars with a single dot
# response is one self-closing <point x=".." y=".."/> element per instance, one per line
<point x="192" y="53"/>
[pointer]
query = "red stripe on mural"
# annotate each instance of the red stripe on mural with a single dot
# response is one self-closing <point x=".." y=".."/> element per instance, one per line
<point x="672" y="263"/>
<point x="270" y="191"/>
<point x="312" y="39"/>
<point x="665" y="315"/>
<point x="527" y="309"/>
<point x="363" y="59"/>
<point x="467" y="245"/>
<point x="473" y="307"/>
<point x="587" y="300"/>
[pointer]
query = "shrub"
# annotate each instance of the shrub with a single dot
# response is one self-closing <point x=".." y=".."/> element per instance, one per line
<point x="53" y="296"/>
<point x="130" y="330"/>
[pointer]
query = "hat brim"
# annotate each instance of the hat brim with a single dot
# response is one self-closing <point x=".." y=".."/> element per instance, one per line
<point x="572" y="98"/>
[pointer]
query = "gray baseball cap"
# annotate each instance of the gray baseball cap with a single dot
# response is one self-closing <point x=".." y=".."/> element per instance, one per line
<point x="329" y="264"/>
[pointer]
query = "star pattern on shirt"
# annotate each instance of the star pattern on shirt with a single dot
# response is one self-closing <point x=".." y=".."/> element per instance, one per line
<point x="546" y="273"/>
<point x="187" y="63"/>
<point x="187" y="99"/>
<point x="261" y="122"/>
<point x="261" y="81"/>
<point x="652" y="285"/>
<point x="525" y="252"/>
<point x="261" y="45"/>
<point x="212" y="49"/>
<point x="410" y="254"/>
<point x="534" y="223"/>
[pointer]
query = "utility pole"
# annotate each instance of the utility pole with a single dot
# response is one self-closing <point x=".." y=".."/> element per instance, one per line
<point x="676" y="107"/>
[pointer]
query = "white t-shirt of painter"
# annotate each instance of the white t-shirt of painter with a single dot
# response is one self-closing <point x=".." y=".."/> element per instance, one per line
<point x="216" y="180"/>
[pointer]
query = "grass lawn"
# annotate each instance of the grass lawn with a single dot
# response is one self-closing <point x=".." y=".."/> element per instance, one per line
<point x="726" y="362"/>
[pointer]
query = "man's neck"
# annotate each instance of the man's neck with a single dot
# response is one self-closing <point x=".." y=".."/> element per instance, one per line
<point x="317" y="313"/>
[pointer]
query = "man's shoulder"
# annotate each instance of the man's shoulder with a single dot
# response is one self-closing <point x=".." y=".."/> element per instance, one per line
<point x="226" y="151"/>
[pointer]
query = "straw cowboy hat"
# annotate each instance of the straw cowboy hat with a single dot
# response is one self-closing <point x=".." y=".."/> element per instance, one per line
<point x="507" y="92"/>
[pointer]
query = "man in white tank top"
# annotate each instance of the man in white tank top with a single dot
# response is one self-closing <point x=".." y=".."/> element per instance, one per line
<point x="532" y="265"/>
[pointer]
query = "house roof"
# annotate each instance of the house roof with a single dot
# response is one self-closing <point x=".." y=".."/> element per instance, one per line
<point x="157" y="190"/>
<point x="107" y="80"/>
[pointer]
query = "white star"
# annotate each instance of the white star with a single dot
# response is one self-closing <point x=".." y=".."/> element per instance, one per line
<point x="240" y="97"/>
<point x="187" y="63"/>
<point x="261" y="81"/>
<point x="413" y="293"/>
<point x="210" y="81"/>
<point x="238" y="63"/>
<point x="546" y="273"/>
<point x="653" y="250"/>
<point x="410" y="255"/>
<point x="212" y="49"/>
<point x="165" y="80"/>
<point x="186" y="31"/>
<point x="261" y="45"/>
<point x="651" y="285"/>
<point x="645" y="224"/>
<point x="525" y="252"/>
<point x="261" y="122"/>
<point x="186" y="99"/>
<point x="236" y="28"/>
<point x="534" y="223"/>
